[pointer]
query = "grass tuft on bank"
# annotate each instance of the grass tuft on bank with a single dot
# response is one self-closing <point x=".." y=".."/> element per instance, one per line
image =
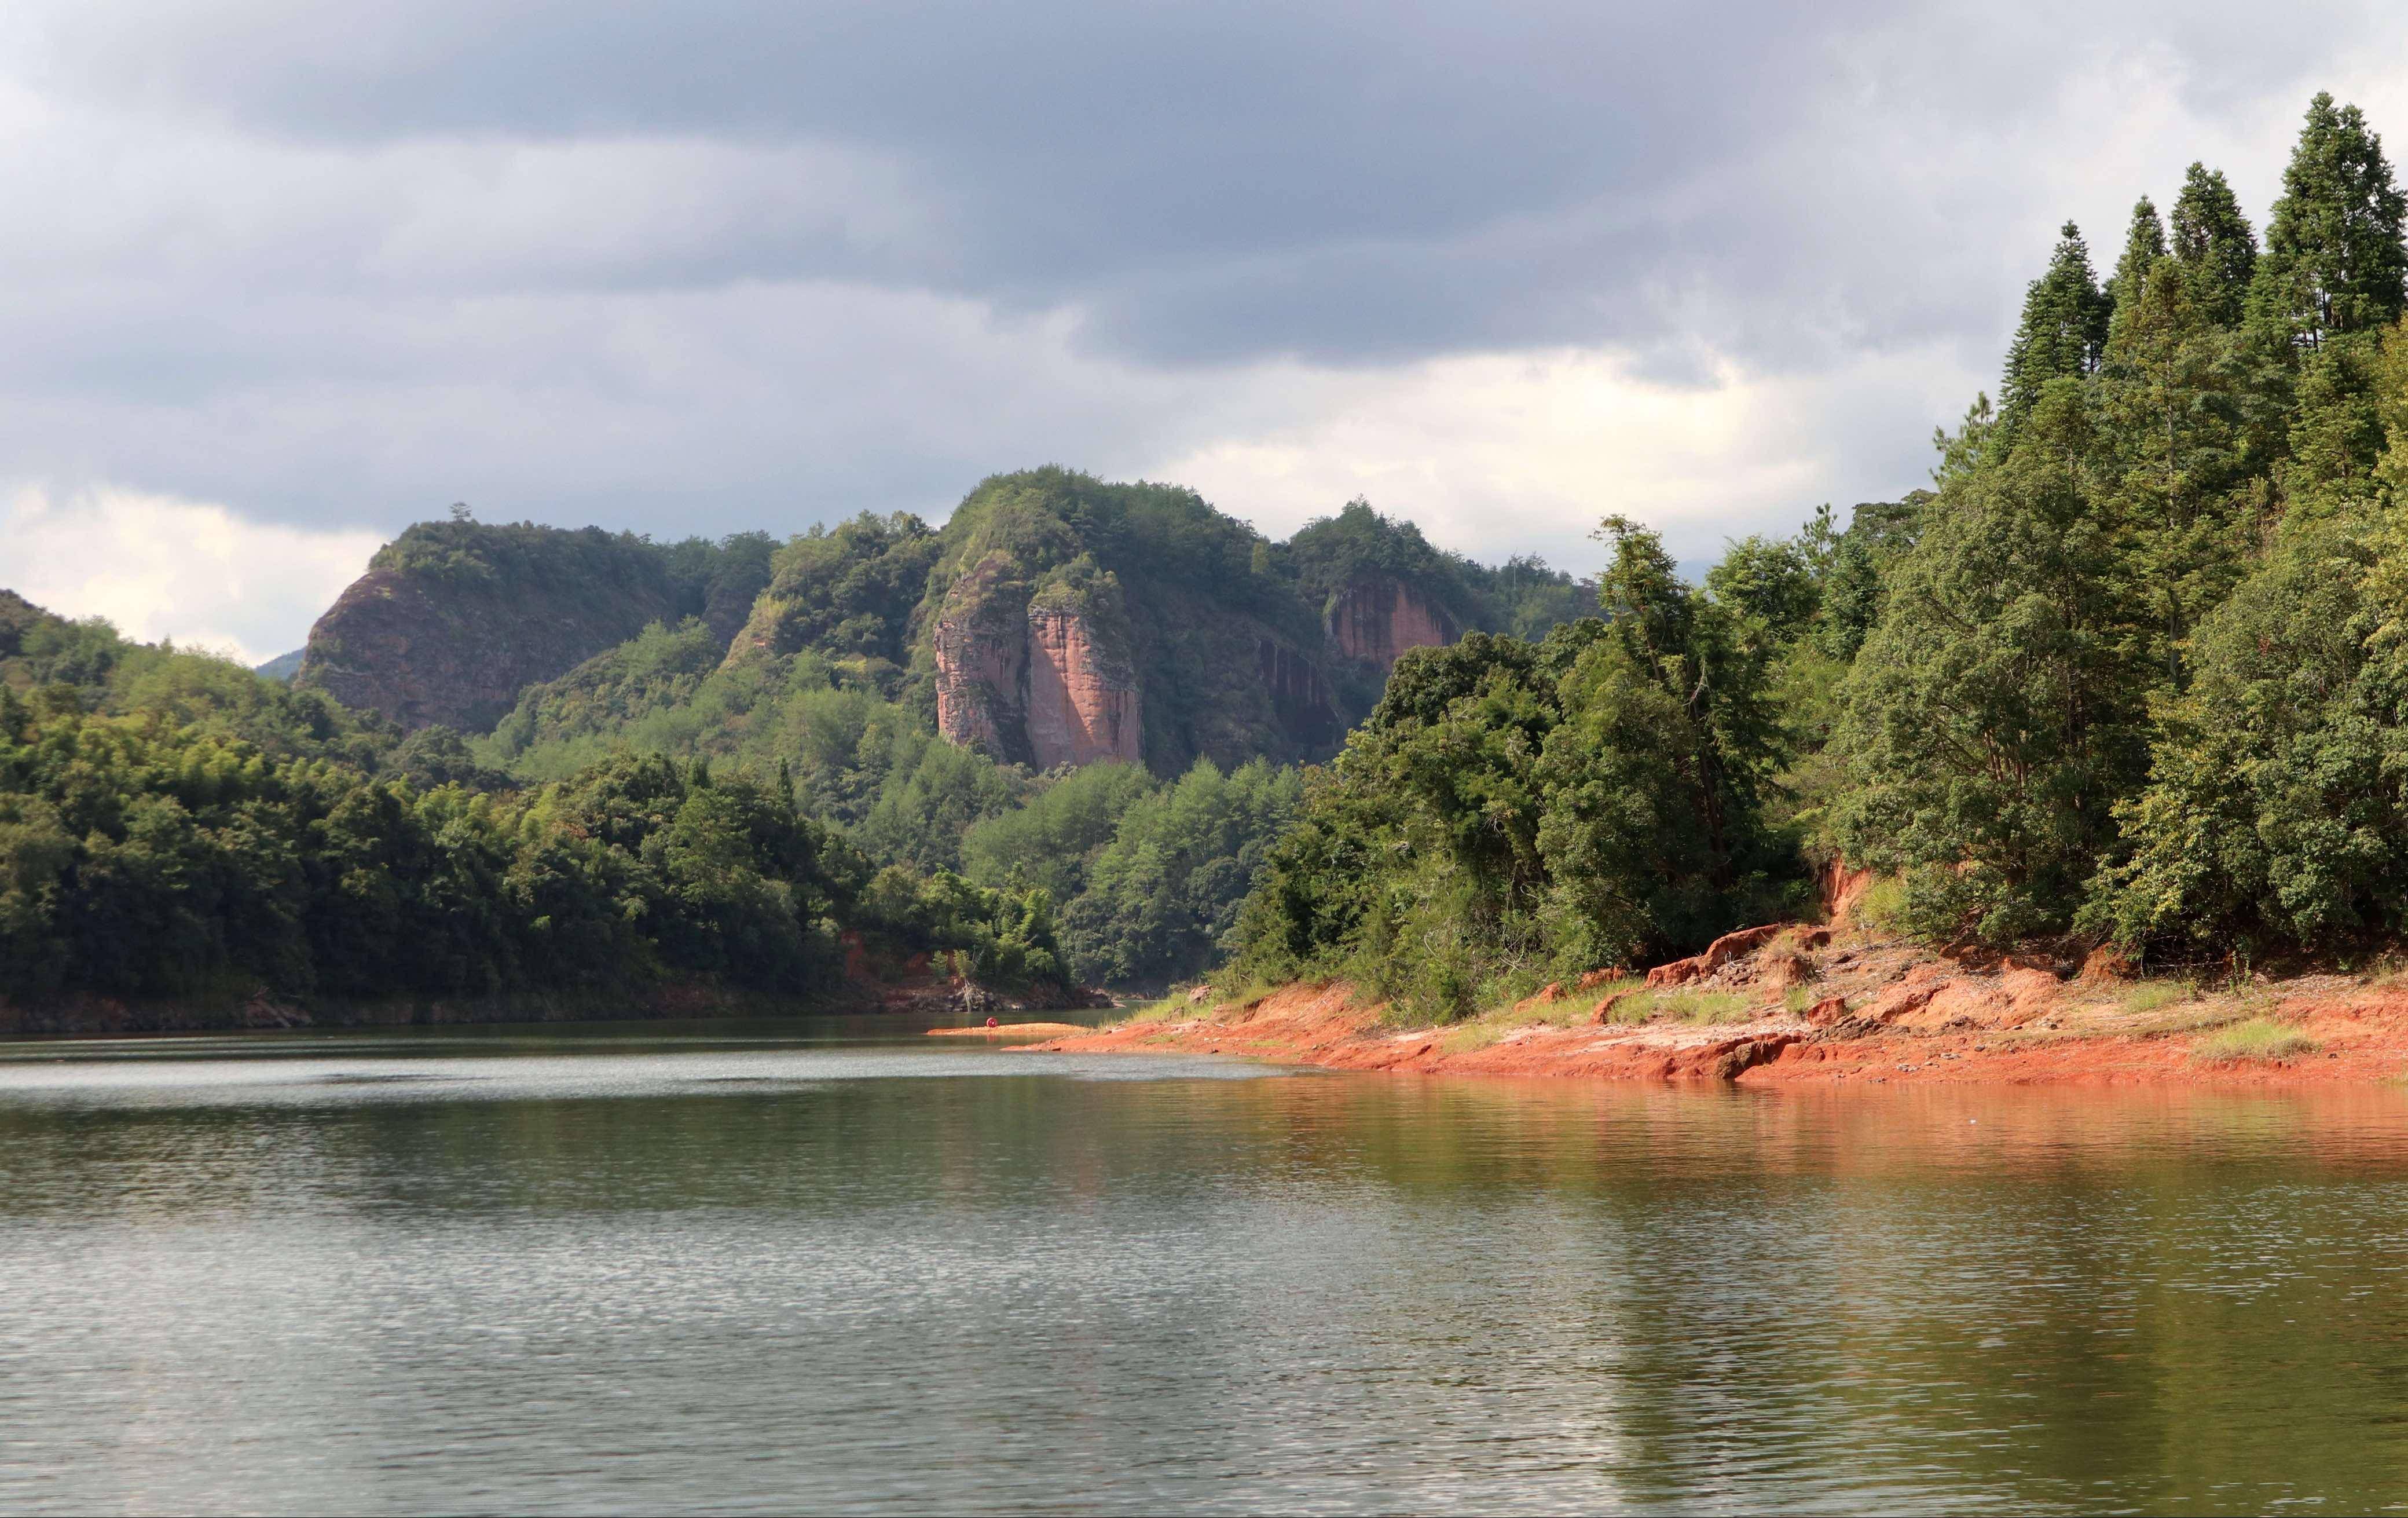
<point x="2257" y="1040"/>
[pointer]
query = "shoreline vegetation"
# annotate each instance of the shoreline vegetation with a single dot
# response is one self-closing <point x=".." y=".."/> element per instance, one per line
<point x="1820" y="1006"/>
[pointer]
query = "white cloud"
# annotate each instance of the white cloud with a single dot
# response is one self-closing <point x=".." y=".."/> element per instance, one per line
<point x="1500" y="454"/>
<point x="158" y="566"/>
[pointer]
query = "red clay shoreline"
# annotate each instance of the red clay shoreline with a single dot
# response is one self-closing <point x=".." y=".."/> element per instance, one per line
<point x="1794" y="1006"/>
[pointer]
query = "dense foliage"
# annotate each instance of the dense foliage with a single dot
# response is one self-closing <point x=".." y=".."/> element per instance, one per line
<point x="1512" y="809"/>
<point x="174" y="825"/>
<point x="1150" y="875"/>
<point x="2135" y="669"/>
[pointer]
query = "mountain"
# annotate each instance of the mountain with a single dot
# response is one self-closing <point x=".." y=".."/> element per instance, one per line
<point x="1068" y="620"/>
<point x="1055" y="619"/>
<point x="453" y="619"/>
<point x="282" y="667"/>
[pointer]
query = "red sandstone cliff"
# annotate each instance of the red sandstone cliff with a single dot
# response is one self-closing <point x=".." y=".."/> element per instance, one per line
<point x="1046" y="681"/>
<point x="1378" y="617"/>
<point x="1082" y="701"/>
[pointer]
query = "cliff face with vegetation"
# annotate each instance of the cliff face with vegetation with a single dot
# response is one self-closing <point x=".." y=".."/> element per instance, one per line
<point x="1378" y="617"/>
<point x="455" y="619"/>
<point x="1055" y="619"/>
<point x="1068" y="620"/>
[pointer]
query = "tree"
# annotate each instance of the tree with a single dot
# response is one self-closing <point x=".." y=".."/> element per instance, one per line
<point x="2172" y="407"/>
<point x="1997" y="713"/>
<point x="2276" y="816"/>
<point x="2063" y="331"/>
<point x="2215" y="246"/>
<point x="2144" y="244"/>
<point x="2333" y="260"/>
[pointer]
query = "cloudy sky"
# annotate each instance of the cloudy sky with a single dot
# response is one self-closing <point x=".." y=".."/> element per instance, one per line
<point x="284" y="277"/>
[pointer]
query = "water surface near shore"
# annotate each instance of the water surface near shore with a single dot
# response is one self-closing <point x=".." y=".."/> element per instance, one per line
<point x="835" y="1266"/>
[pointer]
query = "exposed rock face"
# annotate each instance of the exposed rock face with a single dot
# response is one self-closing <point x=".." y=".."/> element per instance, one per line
<point x="1082" y="701"/>
<point x="1301" y="702"/>
<point x="1041" y="682"/>
<point x="424" y="650"/>
<point x="980" y="640"/>
<point x="1378" y="617"/>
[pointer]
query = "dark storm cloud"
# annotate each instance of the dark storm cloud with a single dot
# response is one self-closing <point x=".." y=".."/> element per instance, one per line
<point x="708" y="266"/>
<point x="1219" y="181"/>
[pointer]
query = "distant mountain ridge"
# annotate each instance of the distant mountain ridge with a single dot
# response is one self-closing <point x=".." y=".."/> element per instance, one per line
<point x="1054" y="621"/>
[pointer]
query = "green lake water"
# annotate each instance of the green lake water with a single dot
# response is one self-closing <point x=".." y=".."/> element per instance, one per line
<point x="835" y="1267"/>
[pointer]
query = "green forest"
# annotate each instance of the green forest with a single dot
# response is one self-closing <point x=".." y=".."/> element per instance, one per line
<point x="172" y="825"/>
<point x="2132" y="670"/>
<point x="760" y="818"/>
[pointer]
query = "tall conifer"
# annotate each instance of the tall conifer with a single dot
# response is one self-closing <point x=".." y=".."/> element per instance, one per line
<point x="2333" y="259"/>
<point x="2217" y="246"/>
<point x="2063" y="331"/>
<point x="2144" y="243"/>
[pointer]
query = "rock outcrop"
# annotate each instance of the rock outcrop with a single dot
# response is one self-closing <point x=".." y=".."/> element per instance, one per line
<point x="1083" y="695"/>
<point x="1301" y="701"/>
<point x="1044" y="678"/>
<point x="1378" y="616"/>
<point x="979" y="638"/>
<point x="452" y="620"/>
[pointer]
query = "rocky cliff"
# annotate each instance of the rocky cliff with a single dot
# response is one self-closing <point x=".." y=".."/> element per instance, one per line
<point x="1042" y="673"/>
<point x="455" y="619"/>
<point x="1083" y="695"/>
<point x="1379" y="615"/>
<point x="425" y="653"/>
<point x="1069" y="621"/>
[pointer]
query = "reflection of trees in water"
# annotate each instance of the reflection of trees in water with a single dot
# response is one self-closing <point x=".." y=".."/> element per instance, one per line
<point x="1447" y="1290"/>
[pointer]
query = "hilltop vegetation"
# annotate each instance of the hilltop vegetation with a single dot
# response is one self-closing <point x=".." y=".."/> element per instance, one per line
<point x="174" y="825"/>
<point x="2133" y="671"/>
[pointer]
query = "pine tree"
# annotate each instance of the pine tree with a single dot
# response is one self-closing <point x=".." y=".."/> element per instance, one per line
<point x="2171" y="408"/>
<point x="2063" y="331"/>
<point x="1999" y="709"/>
<point x="2144" y="243"/>
<point x="2333" y="261"/>
<point x="2217" y="245"/>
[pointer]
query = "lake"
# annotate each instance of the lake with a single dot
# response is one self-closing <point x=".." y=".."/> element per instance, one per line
<point x="835" y="1266"/>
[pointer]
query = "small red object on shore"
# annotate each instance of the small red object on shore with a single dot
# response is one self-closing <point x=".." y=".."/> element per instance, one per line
<point x="991" y="1022"/>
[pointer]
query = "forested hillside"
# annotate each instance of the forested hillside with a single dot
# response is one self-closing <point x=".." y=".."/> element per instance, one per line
<point x="753" y="777"/>
<point x="931" y="692"/>
<point x="175" y="826"/>
<point x="2134" y="671"/>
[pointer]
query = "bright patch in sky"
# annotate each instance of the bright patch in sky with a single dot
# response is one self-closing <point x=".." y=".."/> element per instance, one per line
<point x="162" y="568"/>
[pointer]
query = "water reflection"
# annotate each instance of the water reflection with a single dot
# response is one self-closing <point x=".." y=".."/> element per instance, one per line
<point x="727" y="1270"/>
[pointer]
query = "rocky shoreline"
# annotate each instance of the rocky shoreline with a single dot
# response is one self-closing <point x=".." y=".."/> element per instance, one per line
<point x="1790" y="1005"/>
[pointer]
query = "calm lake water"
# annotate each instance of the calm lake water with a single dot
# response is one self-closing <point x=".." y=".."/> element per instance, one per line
<point x="719" y="1268"/>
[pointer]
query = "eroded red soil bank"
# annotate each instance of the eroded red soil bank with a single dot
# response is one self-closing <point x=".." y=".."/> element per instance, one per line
<point x="1800" y="1005"/>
